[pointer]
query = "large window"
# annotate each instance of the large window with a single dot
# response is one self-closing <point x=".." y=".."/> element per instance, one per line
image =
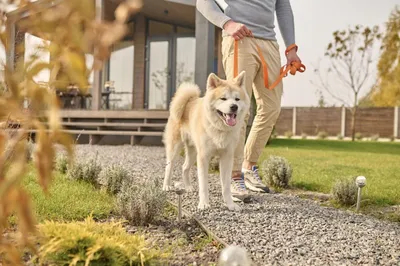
<point x="120" y="79"/>
<point x="170" y="61"/>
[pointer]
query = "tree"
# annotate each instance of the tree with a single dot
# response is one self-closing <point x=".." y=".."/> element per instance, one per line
<point x="350" y="65"/>
<point x="387" y="92"/>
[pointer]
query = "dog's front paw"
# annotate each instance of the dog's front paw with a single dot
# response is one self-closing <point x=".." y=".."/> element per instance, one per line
<point x="203" y="206"/>
<point x="234" y="207"/>
<point x="189" y="188"/>
<point x="167" y="188"/>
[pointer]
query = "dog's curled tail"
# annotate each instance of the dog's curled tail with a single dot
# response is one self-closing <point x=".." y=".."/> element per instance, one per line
<point x="185" y="93"/>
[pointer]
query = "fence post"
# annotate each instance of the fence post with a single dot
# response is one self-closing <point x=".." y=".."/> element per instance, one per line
<point x="343" y="122"/>
<point x="396" y="122"/>
<point x="294" y="118"/>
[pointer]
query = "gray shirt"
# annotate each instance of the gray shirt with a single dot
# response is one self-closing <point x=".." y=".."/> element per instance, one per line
<point x="257" y="15"/>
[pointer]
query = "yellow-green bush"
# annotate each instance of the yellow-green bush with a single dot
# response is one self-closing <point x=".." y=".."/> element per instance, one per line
<point x="91" y="243"/>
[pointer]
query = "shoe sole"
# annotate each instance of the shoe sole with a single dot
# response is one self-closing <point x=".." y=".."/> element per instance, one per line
<point x="244" y="200"/>
<point x="253" y="188"/>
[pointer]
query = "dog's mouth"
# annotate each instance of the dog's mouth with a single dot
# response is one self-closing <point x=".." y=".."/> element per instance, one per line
<point x="229" y="119"/>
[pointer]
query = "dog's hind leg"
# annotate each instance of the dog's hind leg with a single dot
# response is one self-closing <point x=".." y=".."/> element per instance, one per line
<point x="190" y="154"/>
<point x="172" y="153"/>
<point x="225" y="167"/>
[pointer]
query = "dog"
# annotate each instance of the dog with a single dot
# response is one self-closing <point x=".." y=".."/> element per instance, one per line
<point x="206" y="126"/>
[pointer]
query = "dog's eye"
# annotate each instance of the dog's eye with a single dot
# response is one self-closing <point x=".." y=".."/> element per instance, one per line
<point x="223" y="99"/>
<point x="237" y="99"/>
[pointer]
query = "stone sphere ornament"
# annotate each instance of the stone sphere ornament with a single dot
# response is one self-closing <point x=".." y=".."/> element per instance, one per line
<point x="234" y="256"/>
<point x="361" y="181"/>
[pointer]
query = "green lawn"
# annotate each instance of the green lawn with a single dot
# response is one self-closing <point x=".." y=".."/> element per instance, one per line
<point x="67" y="199"/>
<point x="317" y="164"/>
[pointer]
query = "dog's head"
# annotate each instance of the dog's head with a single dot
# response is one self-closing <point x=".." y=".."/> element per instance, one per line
<point x="227" y="100"/>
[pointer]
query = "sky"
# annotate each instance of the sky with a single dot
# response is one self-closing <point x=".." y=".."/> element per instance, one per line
<point x="315" y="21"/>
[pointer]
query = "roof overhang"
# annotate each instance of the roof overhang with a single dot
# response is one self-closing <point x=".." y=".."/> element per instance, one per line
<point x="183" y="2"/>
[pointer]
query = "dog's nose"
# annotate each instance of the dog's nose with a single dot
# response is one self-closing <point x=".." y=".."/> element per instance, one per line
<point x="234" y="107"/>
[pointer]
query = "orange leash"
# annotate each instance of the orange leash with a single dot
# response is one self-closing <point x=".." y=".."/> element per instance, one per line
<point x="292" y="68"/>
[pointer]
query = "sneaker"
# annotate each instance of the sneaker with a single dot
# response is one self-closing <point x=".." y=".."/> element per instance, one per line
<point x="238" y="189"/>
<point x="253" y="180"/>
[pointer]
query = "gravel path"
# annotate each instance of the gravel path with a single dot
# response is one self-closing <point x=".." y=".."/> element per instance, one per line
<point x="276" y="229"/>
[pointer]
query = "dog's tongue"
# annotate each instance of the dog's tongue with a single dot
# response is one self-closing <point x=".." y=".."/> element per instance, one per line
<point x="230" y="120"/>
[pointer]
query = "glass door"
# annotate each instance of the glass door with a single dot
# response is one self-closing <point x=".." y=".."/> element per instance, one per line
<point x="170" y="60"/>
<point x="158" y="73"/>
<point x="185" y="59"/>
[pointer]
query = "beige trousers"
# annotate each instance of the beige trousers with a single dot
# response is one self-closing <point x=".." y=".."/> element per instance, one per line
<point x="268" y="101"/>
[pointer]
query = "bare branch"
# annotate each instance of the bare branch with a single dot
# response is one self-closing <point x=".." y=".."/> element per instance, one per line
<point x="341" y="76"/>
<point x="325" y="86"/>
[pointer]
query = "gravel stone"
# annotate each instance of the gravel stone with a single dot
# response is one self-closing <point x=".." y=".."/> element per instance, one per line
<point x="275" y="229"/>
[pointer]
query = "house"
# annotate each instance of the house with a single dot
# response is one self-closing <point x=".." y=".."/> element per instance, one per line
<point x="168" y="42"/>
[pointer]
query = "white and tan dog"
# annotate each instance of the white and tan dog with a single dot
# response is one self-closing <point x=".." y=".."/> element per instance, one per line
<point x="206" y="126"/>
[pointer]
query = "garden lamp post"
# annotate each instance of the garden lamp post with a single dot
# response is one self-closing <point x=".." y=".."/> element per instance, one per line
<point x="360" y="182"/>
<point x="179" y="190"/>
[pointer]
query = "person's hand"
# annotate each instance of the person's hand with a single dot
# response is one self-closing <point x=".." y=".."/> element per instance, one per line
<point x="237" y="30"/>
<point x="292" y="57"/>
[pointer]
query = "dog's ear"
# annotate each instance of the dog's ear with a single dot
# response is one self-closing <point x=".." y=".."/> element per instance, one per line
<point x="240" y="80"/>
<point x="213" y="81"/>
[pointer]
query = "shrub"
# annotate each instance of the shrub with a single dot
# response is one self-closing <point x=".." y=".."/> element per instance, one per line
<point x="322" y="135"/>
<point x="358" y="136"/>
<point x="375" y="137"/>
<point x="62" y="164"/>
<point x="392" y="138"/>
<point x="276" y="171"/>
<point x="91" y="171"/>
<point x="141" y="202"/>
<point x="76" y="171"/>
<point x="340" y="136"/>
<point x="344" y="191"/>
<point x="91" y="243"/>
<point x="112" y="177"/>
<point x="87" y="172"/>
<point x="304" y="136"/>
<point x="289" y="134"/>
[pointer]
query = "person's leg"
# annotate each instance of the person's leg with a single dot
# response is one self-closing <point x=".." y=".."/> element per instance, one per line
<point x="247" y="61"/>
<point x="268" y="109"/>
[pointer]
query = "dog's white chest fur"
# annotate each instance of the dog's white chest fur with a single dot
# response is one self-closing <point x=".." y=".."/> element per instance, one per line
<point x="222" y="140"/>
